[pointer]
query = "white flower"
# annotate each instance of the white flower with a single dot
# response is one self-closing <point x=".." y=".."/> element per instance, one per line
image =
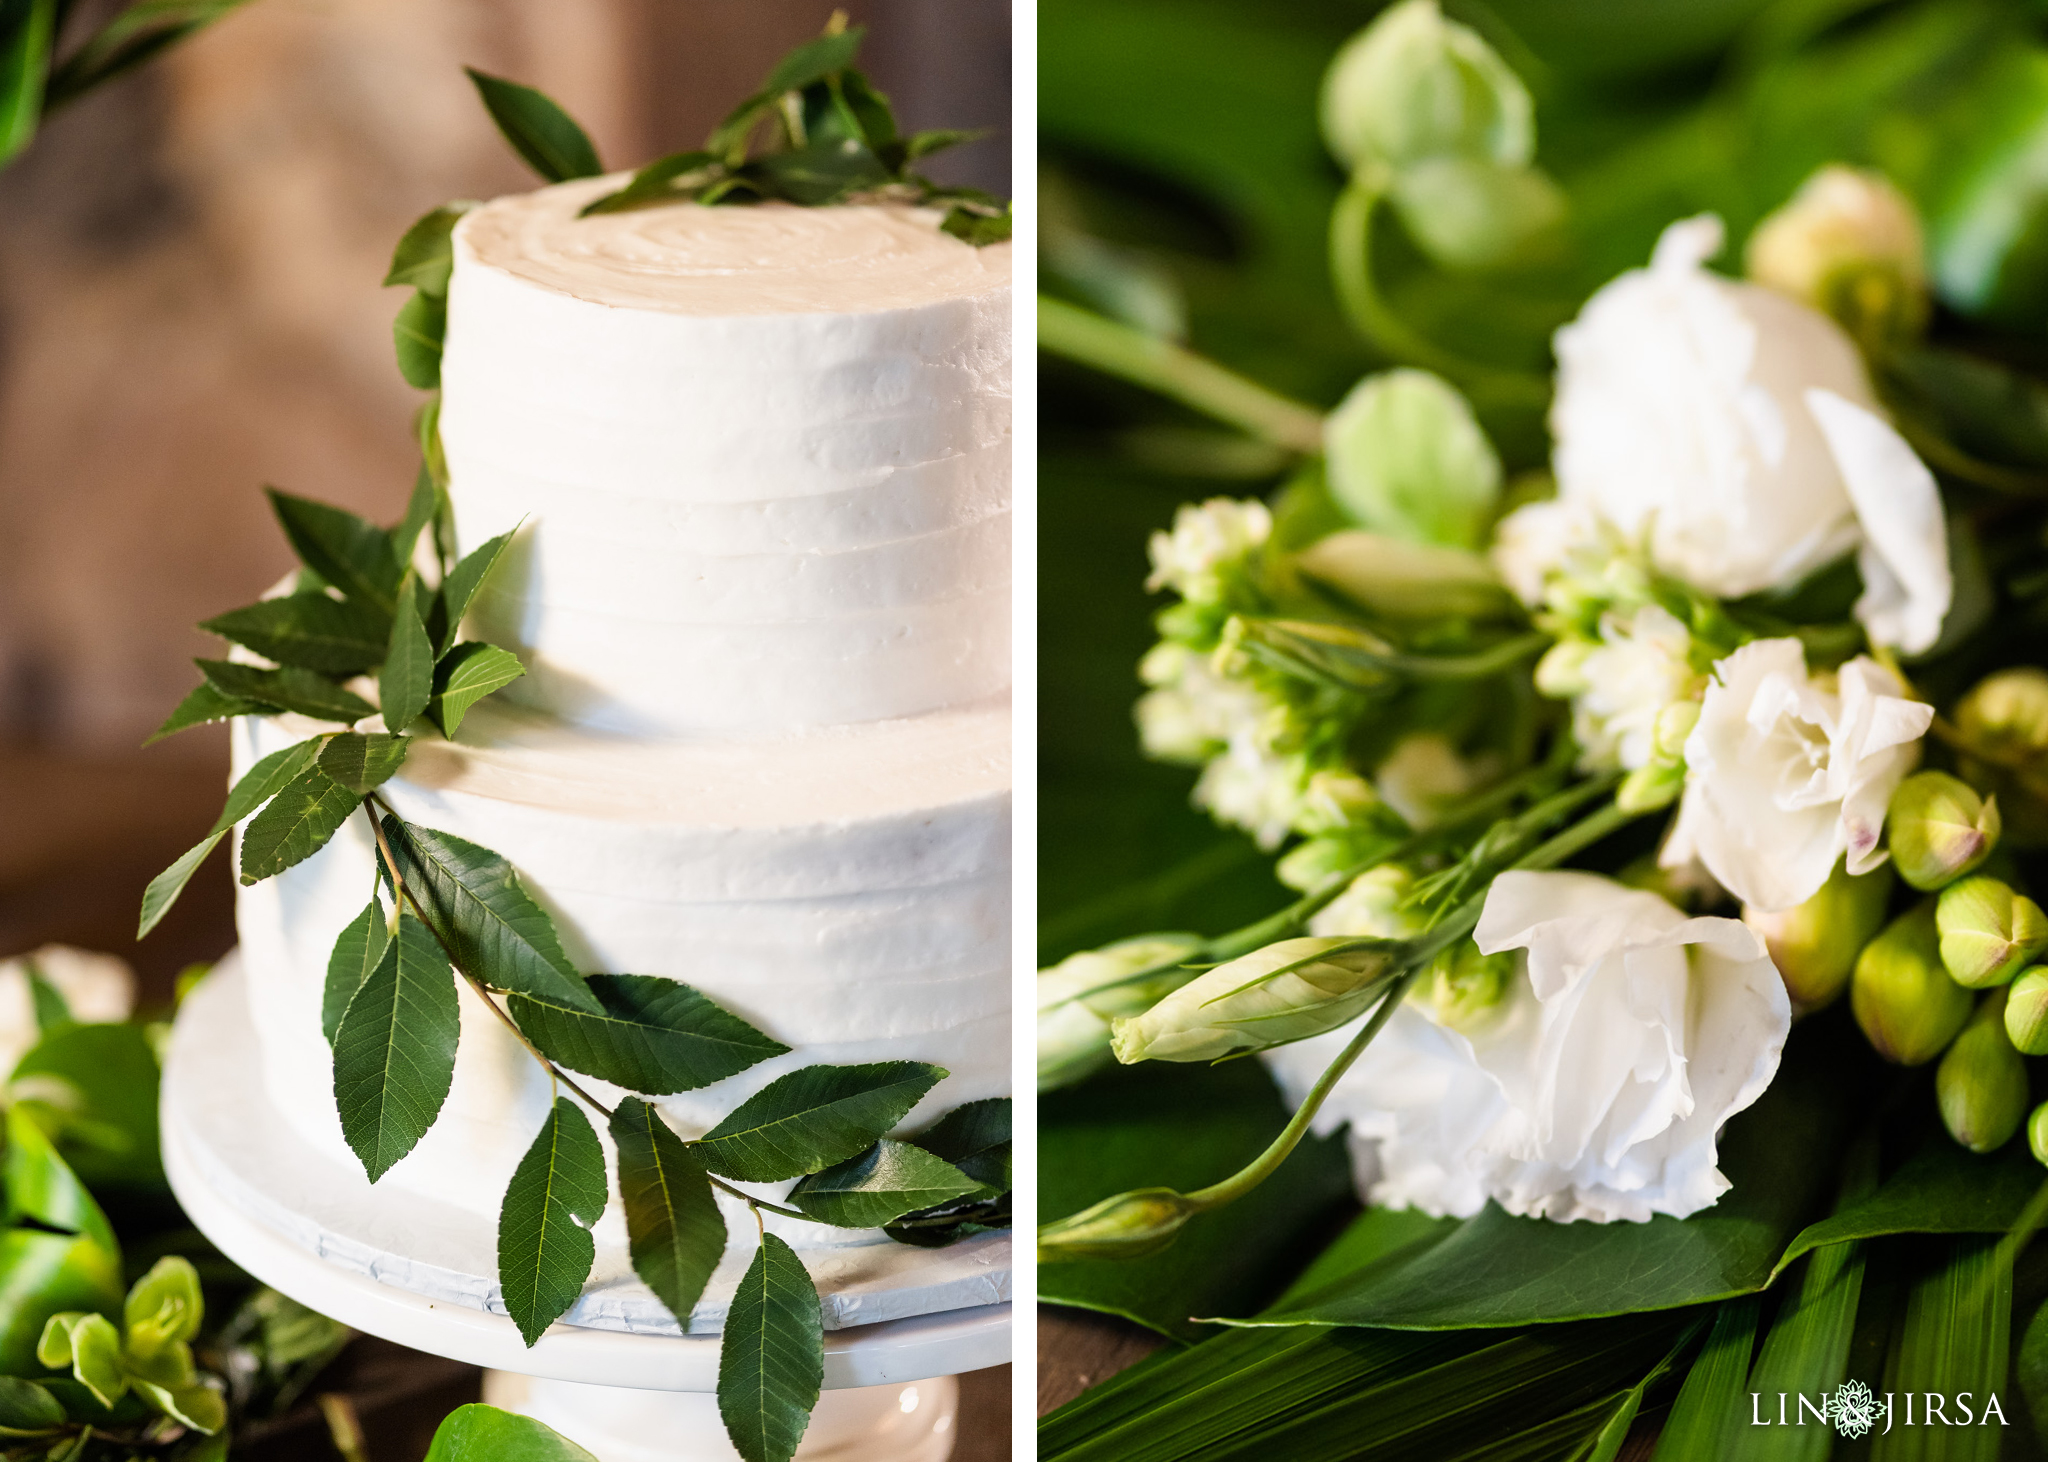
<point x="1209" y="541"/>
<point x="1253" y="788"/>
<point x="1599" y="1088"/>
<point x="97" y="988"/>
<point x="1785" y="773"/>
<point x="1424" y="774"/>
<point x="1843" y="224"/>
<point x="1543" y="538"/>
<point x="1623" y="683"/>
<point x="1733" y="430"/>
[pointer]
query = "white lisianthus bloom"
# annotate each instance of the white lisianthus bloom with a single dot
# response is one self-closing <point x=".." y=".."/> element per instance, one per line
<point x="1598" y="1089"/>
<point x="1786" y="772"/>
<point x="1733" y="431"/>
<point x="97" y="989"/>
<point x="1209" y="540"/>
<point x="1620" y="685"/>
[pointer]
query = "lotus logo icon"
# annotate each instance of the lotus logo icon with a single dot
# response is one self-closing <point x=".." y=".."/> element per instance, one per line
<point x="1852" y="1410"/>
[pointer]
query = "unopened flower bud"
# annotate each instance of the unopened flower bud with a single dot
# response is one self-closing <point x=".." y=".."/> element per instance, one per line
<point x="1079" y="996"/>
<point x="1849" y="244"/>
<point x="2037" y="1133"/>
<point x="1674" y="725"/>
<point x="1462" y="987"/>
<point x="1407" y="458"/>
<point x="1981" y="1083"/>
<point x="1131" y="1225"/>
<point x="1469" y="213"/>
<point x="2026" y="1012"/>
<point x="1650" y="787"/>
<point x="1988" y="932"/>
<point x="1940" y="829"/>
<point x="1413" y="85"/>
<point x="2006" y="714"/>
<point x="1248" y="1005"/>
<point x="1372" y="905"/>
<point x="1907" y="1005"/>
<point x="1561" y="673"/>
<point x="1815" y="944"/>
<point x="1334" y="799"/>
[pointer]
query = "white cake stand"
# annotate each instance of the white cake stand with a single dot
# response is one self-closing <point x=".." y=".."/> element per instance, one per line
<point x="625" y="1396"/>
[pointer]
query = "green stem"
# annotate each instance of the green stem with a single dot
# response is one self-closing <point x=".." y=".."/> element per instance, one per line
<point x="1351" y="272"/>
<point x="1160" y="365"/>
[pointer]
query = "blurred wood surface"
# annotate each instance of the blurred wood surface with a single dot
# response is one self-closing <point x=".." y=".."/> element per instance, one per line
<point x="1078" y="1349"/>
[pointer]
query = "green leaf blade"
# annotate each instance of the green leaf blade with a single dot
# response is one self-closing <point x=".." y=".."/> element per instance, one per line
<point x="880" y="1185"/>
<point x="814" y="1117"/>
<point x="674" y="1230"/>
<point x="164" y="889"/>
<point x="355" y="556"/>
<point x="975" y="1138"/>
<point x="406" y="682"/>
<point x="538" y="129"/>
<point x="24" y="63"/>
<point x="771" y="1364"/>
<point x="467" y="674"/>
<point x="289" y="689"/>
<point x="310" y="630"/>
<point x="204" y="705"/>
<point x="263" y="781"/>
<point x="463" y="581"/>
<point x="357" y="953"/>
<point x="417" y="333"/>
<point x="295" y="825"/>
<point x="363" y="762"/>
<point x="544" y="1246"/>
<point x="425" y="256"/>
<point x="480" y="1433"/>
<point x="394" y="1049"/>
<point x="1703" y="1420"/>
<point x="655" y="1035"/>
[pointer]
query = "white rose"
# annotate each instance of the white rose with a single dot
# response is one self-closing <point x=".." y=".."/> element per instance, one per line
<point x="1209" y="540"/>
<point x="1599" y="1088"/>
<point x="1733" y="431"/>
<point x="97" y="988"/>
<point x="1786" y="773"/>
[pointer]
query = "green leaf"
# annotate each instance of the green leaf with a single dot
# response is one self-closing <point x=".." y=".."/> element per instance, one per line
<point x="1956" y="1337"/>
<point x="68" y="1260"/>
<point x="976" y="227"/>
<point x="296" y="825"/>
<point x="205" y="704"/>
<point x="163" y="1308"/>
<point x="479" y="1433"/>
<point x="771" y="1361"/>
<point x="89" y="1344"/>
<point x="1703" y="1420"/>
<point x="52" y="1010"/>
<point x="417" y="332"/>
<point x="654" y="1035"/>
<point x="673" y="1227"/>
<point x="425" y="257"/>
<point x="877" y="119"/>
<point x="289" y="689"/>
<point x="814" y="1117"/>
<point x="93" y="1089"/>
<point x="357" y="953"/>
<point x="394" y="1051"/>
<point x="133" y="36"/>
<point x="1407" y="458"/>
<point x="2030" y="1368"/>
<point x="539" y="130"/>
<point x="255" y="787"/>
<point x="924" y="144"/>
<point x="975" y="1138"/>
<point x="26" y="1407"/>
<point x="814" y="175"/>
<point x="875" y="1187"/>
<point x="28" y="30"/>
<point x="815" y="60"/>
<point x="660" y="181"/>
<point x="544" y="1246"/>
<point x="463" y="582"/>
<point x="362" y="763"/>
<point x="407" y="680"/>
<point x="465" y="675"/>
<point x="421" y="509"/>
<point x="497" y="933"/>
<point x="355" y="556"/>
<point x="313" y="631"/>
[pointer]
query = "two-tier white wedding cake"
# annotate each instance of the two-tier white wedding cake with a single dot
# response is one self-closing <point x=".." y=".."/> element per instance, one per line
<point x="759" y="462"/>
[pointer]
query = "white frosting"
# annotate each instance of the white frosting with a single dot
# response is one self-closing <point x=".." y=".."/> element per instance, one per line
<point x="762" y="454"/>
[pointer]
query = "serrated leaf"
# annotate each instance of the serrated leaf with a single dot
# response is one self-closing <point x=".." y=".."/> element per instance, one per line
<point x="295" y="825"/>
<point x="353" y="555"/>
<point x="654" y="1035"/>
<point x="463" y="582"/>
<point x="251" y="790"/>
<point x="312" y="631"/>
<point x="544" y="1246"/>
<point x="499" y="935"/>
<point x="289" y="689"/>
<point x="880" y="1185"/>
<point x="133" y="36"/>
<point x="420" y="511"/>
<point x="394" y="1051"/>
<point x="28" y="30"/>
<point x="406" y="682"/>
<point x="417" y="332"/>
<point x="465" y="675"/>
<point x="203" y="705"/>
<point x="771" y="1361"/>
<point x="363" y="762"/>
<point x="164" y="889"/>
<point x="949" y="1223"/>
<point x="480" y="1433"/>
<point x="538" y="129"/>
<point x="425" y="256"/>
<point x="357" y="953"/>
<point x="673" y="1227"/>
<point x="26" y="1407"/>
<point x="975" y="1138"/>
<point x="814" y="1117"/>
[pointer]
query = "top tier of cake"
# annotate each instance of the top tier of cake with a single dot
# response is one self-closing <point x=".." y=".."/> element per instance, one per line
<point x="762" y="456"/>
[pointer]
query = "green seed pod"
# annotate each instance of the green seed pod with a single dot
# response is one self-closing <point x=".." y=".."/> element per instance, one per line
<point x="1981" y="1083"/>
<point x="1130" y="1225"/>
<point x="2006" y="714"/>
<point x="1246" y="1006"/>
<point x="1988" y="932"/>
<point x="1940" y="829"/>
<point x="2026" y="1012"/>
<point x="1079" y="996"/>
<point x="2037" y="1133"/>
<point x="1815" y="944"/>
<point x="1413" y="86"/>
<point x="1907" y="1005"/>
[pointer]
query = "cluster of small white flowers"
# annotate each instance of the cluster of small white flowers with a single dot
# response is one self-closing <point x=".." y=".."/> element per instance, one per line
<point x="1208" y="544"/>
<point x="1620" y="684"/>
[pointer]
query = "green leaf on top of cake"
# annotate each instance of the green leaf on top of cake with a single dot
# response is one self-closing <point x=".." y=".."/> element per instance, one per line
<point x="675" y="1233"/>
<point x="313" y="631"/>
<point x="771" y="1365"/>
<point x="653" y="1035"/>
<point x="879" y="1186"/>
<point x="405" y="683"/>
<point x="288" y="689"/>
<point x="394" y="1050"/>
<point x="538" y="129"/>
<point x="814" y="1117"/>
<point x="544" y="1245"/>
<point x="357" y="952"/>
<point x="464" y="676"/>
<point x="354" y="555"/>
<point x="294" y="825"/>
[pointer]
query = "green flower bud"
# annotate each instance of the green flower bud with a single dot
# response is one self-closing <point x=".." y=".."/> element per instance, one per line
<point x="1468" y="213"/>
<point x="1285" y="992"/>
<point x="1988" y="932"/>
<point x="1939" y="829"/>
<point x="2006" y="714"/>
<point x="1407" y="458"/>
<point x="1079" y="996"/>
<point x="1462" y="987"/>
<point x="2037" y="1133"/>
<point x="1406" y="580"/>
<point x="164" y="1308"/>
<point x="2026" y="1012"/>
<point x="1907" y="1005"/>
<point x="1981" y="1083"/>
<point x="1413" y="86"/>
<point x="1849" y="244"/>
<point x="1650" y="787"/>
<point x="1130" y="1225"/>
<point x="1561" y="673"/>
<point x="1815" y="944"/>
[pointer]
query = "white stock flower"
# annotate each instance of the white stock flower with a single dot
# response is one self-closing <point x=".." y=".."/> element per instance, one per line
<point x="1542" y="538"/>
<point x="1786" y="772"/>
<point x="98" y="988"/>
<point x="1598" y="1089"/>
<point x="1256" y="789"/>
<point x="1640" y="665"/>
<point x="1208" y="541"/>
<point x="1733" y="430"/>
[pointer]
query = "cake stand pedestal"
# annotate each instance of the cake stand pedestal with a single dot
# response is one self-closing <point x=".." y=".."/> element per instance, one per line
<point x="889" y="1393"/>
